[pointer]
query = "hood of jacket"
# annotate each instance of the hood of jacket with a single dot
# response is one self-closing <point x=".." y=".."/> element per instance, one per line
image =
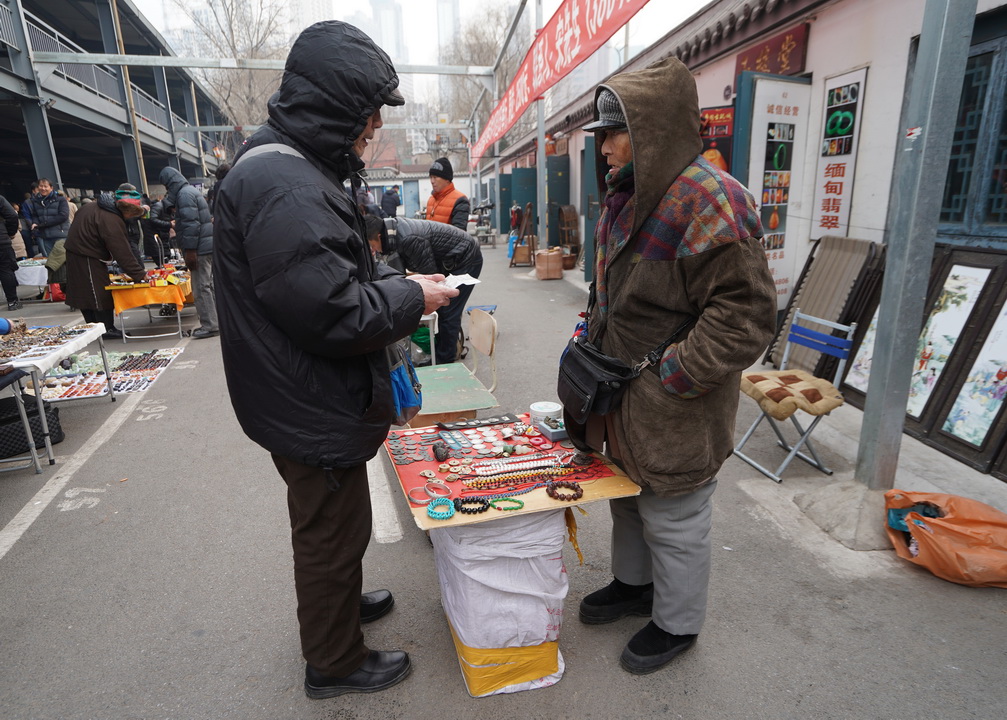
<point x="664" y="142"/>
<point x="173" y="182"/>
<point x="333" y="81"/>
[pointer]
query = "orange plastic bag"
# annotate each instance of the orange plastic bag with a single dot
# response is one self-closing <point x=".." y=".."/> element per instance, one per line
<point x="967" y="544"/>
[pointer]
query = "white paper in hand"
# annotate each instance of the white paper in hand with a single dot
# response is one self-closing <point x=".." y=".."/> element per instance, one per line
<point x="455" y="281"/>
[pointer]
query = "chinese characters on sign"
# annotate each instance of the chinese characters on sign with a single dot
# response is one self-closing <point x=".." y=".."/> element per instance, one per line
<point x="780" y="55"/>
<point x="838" y="154"/>
<point x="573" y="33"/>
<point x="779" y="132"/>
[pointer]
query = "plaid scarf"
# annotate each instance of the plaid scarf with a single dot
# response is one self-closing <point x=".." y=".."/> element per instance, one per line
<point x="614" y="226"/>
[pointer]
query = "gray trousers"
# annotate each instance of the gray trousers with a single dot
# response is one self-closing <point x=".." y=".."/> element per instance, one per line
<point x="202" y="293"/>
<point x="666" y="541"/>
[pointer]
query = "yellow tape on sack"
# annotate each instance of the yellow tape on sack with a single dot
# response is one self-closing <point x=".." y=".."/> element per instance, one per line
<point x="488" y="670"/>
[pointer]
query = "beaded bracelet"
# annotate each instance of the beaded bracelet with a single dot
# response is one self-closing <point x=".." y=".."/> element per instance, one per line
<point x="463" y="505"/>
<point x="518" y="504"/>
<point x="552" y="489"/>
<point x="418" y="500"/>
<point x="445" y="514"/>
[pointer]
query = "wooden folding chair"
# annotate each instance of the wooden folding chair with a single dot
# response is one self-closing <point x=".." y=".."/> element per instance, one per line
<point x="483" y="336"/>
<point x="781" y="393"/>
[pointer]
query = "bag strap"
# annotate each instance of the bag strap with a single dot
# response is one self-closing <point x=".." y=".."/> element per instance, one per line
<point x="653" y="358"/>
<point x="270" y="147"/>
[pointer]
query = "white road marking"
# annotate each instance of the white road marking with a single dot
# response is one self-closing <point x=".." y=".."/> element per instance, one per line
<point x="30" y="512"/>
<point x="384" y="520"/>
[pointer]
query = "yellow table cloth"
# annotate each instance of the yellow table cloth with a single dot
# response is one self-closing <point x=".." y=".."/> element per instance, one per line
<point x="131" y="296"/>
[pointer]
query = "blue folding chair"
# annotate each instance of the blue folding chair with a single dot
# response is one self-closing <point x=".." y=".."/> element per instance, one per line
<point x="781" y="393"/>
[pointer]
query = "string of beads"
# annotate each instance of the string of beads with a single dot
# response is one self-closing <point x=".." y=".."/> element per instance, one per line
<point x="510" y="478"/>
<point x="464" y="505"/>
<point x="553" y="490"/>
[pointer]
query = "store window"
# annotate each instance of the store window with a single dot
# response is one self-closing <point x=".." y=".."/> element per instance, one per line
<point x="975" y="190"/>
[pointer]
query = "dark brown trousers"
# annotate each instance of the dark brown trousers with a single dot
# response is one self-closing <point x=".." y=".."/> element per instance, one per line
<point x="329" y="531"/>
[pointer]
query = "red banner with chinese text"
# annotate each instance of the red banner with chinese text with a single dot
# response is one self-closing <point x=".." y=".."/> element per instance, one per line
<point x="573" y="33"/>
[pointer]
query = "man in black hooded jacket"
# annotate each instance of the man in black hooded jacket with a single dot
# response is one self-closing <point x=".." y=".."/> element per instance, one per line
<point x="305" y="317"/>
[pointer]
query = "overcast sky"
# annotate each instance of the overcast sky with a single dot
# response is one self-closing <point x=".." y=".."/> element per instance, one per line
<point x="420" y="19"/>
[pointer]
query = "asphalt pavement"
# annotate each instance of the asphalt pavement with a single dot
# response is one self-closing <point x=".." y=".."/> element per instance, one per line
<point x="148" y="574"/>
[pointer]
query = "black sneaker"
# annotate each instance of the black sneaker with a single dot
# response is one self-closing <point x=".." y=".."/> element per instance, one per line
<point x="652" y="648"/>
<point x="380" y="670"/>
<point x="616" y="600"/>
<point x="16" y="305"/>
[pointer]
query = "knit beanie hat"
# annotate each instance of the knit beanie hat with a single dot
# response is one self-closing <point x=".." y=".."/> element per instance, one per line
<point x="442" y="169"/>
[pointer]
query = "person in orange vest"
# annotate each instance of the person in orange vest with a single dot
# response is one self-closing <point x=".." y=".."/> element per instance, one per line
<point x="446" y="204"/>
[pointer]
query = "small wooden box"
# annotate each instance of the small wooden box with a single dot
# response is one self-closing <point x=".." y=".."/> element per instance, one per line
<point x="548" y="265"/>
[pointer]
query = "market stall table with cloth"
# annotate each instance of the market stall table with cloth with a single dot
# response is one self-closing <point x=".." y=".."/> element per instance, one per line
<point x="127" y="297"/>
<point x="32" y="272"/>
<point x="500" y="565"/>
<point x="38" y="360"/>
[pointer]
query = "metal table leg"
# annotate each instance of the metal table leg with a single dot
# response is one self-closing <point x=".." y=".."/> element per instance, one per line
<point x="16" y="389"/>
<point x="36" y="382"/>
<point x="108" y="372"/>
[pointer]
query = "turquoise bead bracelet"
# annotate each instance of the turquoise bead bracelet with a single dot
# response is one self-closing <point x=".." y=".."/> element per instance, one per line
<point x="434" y="512"/>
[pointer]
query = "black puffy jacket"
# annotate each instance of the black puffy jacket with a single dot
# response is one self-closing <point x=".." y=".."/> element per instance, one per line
<point x="427" y="247"/>
<point x="305" y="313"/>
<point x="193" y="224"/>
<point x="52" y="215"/>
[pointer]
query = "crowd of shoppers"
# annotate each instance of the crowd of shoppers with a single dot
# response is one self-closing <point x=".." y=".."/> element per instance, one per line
<point x="80" y="239"/>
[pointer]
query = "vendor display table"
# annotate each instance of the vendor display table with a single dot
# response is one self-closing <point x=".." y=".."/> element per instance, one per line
<point x="410" y="452"/>
<point x="40" y="359"/>
<point x="32" y="272"/>
<point x="127" y="297"/>
<point x="503" y="583"/>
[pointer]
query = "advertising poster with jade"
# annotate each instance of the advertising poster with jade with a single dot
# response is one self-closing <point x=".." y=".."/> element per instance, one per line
<point x="717" y="130"/>
<point x="779" y="134"/>
<point x="837" y="155"/>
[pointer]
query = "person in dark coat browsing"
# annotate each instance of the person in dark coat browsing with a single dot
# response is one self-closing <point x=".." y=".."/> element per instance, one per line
<point x="97" y="237"/>
<point x="305" y="318"/>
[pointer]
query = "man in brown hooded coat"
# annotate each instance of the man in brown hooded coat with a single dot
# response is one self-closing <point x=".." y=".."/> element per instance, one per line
<point x="97" y="237"/>
<point x="678" y="240"/>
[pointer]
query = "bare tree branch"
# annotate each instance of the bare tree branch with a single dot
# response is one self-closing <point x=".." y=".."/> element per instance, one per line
<point x="236" y="29"/>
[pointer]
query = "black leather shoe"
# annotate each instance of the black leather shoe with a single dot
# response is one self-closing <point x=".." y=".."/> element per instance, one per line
<point x="113" y="334"/>
<point x="652" y="648"/>
<point x="374" y="605"/>
<point x="380" y="670"/>
<point x="616" y="600"/>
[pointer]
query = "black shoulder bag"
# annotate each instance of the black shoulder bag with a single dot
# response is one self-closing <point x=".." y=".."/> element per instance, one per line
<point x="593" y="382"/>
